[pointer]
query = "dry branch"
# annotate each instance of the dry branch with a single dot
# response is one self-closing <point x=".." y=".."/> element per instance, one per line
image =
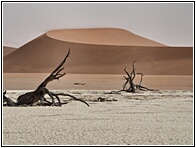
<point x="129" y="85"/>
<point x="32" y="98"/>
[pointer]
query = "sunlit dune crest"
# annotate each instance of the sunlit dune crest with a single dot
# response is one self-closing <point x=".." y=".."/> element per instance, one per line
<point x="101" y="36"/>
<point x="99" y="51"/>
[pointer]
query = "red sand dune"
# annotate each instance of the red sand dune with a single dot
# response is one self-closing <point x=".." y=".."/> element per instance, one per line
<point x="7" y="50"/>
<point x="100" y="51"/>
<point x="101" y="36"/>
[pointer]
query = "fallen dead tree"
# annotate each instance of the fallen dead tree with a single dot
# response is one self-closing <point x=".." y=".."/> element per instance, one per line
<point x="129" y="85"/>
<point x="37" y="97"/>
<point x="77" y="83"/>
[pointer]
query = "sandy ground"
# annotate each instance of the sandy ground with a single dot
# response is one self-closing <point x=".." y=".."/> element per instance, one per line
<point x="150" y="118"/>
<point x="29" y="81"/>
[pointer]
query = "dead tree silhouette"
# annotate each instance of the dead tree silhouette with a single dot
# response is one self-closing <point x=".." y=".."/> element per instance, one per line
<point x="8" y="100"/>
<point x="129" y="85"/>
<point x="129" y="80"/>
<point x="32" y="98"/>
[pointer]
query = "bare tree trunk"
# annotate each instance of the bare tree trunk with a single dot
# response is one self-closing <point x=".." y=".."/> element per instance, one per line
<point x="129" y="80"/>
<point x="32" y="98"/>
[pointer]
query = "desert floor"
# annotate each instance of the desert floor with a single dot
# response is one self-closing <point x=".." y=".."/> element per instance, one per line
<point x="143" y="118"/>
<point x="163" y="117"/>
<point x="29" y="81"/>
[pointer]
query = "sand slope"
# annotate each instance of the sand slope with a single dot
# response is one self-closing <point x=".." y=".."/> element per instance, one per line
<point x="101" y="36"/>
<point x="7" y="50"/>
<point x="44" y="53"/>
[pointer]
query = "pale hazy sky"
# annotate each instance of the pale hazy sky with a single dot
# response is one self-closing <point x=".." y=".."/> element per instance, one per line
<point x="168" y="23"/>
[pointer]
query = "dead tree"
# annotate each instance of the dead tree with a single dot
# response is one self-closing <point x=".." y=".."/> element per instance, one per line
<point x="32" y="98"/>
<point x="8" y="100"/>
<point x="129" y="80"/>
<point x="79" y="83"/>
<point x="143" y="88"/>
<point x="129" y="85"/>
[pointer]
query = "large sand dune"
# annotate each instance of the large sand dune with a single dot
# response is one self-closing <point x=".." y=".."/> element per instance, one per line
<point x="102" y="36"/>
<point x="99" y="51"/>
